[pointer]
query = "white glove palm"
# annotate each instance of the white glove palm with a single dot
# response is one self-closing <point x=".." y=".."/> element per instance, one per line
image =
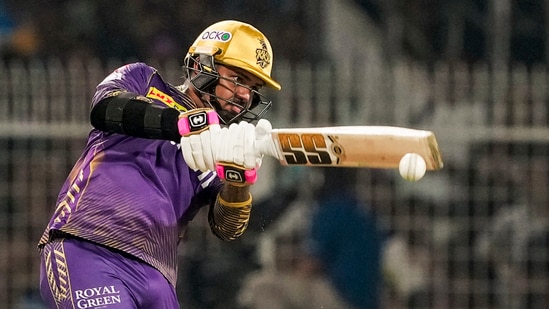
<point x="236" y="145"/>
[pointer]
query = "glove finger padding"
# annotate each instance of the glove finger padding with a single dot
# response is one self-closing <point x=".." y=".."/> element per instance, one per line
<point x="263" y="141"/>
<point x="198" y="152"/>
<point x="206" y="139"/>
<point x="234" y="149"/>
<point x="187" y="151"/>
<point x="221" y="147"/>
<point x="197" y="149"/>
<point x="237" y="145"/>
<point x="263" y="129"/>
<point x="236" y="156"/>
<point x="249" y="155"/>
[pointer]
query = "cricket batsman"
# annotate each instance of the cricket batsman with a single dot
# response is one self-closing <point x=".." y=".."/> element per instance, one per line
<point x="157" y="154"/>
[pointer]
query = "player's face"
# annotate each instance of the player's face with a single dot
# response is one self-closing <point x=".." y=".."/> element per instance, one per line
<point x="235" y="89"/>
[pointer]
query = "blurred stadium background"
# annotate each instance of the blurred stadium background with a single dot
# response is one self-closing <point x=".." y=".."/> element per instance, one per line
<point x="474" y="235"/>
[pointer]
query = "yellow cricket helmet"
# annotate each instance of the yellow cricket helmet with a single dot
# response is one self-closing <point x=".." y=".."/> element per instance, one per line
<point x="237" y="44"/>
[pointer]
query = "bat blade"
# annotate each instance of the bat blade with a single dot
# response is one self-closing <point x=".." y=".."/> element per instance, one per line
<point x="354" y="146"/>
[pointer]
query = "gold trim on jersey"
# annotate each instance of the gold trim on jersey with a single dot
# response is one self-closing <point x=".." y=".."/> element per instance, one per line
<point x="54" y="258"/>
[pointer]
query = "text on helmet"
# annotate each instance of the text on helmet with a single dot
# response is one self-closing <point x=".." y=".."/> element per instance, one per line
<point x="222" y="36"/>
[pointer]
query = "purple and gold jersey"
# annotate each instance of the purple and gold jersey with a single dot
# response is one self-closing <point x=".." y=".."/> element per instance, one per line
<point x="133" y="194"/>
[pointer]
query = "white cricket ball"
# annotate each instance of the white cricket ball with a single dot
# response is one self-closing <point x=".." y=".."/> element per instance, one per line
<point x="412" y="167"/>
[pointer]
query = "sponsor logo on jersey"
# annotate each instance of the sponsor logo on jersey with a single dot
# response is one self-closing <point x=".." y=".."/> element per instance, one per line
<point x="158" y="95"/>
<point x="98" y="297"/>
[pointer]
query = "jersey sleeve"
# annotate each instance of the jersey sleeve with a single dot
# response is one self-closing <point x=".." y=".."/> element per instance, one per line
<point x="132" y="77"/>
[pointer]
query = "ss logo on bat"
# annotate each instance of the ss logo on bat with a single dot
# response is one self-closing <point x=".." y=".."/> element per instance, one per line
<point x="301" y="149"/>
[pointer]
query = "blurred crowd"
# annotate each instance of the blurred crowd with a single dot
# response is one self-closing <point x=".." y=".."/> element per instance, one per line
<point x="426" y="30"/>
<point x="137" y="29"/>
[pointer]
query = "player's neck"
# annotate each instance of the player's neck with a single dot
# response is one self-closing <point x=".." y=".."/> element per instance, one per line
<point x="193" y="94"/>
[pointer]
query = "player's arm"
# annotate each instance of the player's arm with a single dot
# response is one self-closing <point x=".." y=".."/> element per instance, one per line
<point x="232" y="154"/>
<point x="228" y="217"/>
<point x="237" y="163"/>
<point x="135" y="115"/>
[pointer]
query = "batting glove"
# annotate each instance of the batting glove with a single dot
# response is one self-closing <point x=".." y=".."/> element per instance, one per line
<point x="199" y="128"/>
<point x="235" y="154"/>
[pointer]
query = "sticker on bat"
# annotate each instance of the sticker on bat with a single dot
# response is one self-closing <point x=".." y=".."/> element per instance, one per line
<point x="309" y="149"/>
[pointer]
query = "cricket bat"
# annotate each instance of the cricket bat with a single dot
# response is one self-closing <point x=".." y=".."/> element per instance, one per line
<point x="352" y="146"/>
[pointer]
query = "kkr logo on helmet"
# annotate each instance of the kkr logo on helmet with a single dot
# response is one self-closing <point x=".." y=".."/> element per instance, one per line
<point x="262" y="55"/>
<point x="221" y="36"/>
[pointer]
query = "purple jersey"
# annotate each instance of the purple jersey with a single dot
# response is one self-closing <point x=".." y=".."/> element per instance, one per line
<point x="133" y="194"/>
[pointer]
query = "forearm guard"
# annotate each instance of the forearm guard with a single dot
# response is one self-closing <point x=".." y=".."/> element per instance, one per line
<point x="227" y="220"/>
<point x="130" y="114"/>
